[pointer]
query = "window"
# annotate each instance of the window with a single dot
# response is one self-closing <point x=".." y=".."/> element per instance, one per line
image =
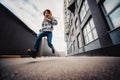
<point x="86" y="5"/>
<point x="79" y="41"/>
<point x="89" y="32"/>
<point x="112" y="12"/>
<point x="84" y="10"/>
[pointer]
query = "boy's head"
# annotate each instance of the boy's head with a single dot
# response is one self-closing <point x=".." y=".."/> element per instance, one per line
<point x="47" y="13"/>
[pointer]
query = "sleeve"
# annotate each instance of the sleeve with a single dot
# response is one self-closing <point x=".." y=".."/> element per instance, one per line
<point x="54" y="21"/>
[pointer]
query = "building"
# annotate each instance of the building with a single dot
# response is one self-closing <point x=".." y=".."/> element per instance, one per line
<point x="92" y="26"/>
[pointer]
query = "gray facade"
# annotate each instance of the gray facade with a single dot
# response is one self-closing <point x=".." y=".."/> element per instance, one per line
<point x="88" y="25"/>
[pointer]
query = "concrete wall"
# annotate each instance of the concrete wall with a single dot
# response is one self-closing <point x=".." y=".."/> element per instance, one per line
<point x="15" y="36"/>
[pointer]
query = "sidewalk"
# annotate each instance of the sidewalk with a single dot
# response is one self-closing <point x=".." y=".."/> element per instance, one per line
<point x="60" y="68"/>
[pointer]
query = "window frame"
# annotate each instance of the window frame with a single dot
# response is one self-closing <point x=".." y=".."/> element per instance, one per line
<point x="83" y="10"/>
<point x="107" y="15"/>
<point x="86" y="34"/>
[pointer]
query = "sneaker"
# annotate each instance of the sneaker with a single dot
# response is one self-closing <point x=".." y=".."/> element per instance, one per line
<point x="53" y="51"/>
<point x="32" y="53"/>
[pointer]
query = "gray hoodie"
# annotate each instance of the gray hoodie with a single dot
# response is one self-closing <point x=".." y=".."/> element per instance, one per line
<point x="48" y="25"/>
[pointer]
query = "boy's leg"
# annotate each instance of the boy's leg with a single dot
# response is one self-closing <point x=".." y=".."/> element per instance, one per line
<point x="33" y="52"/>
<point x="37" y="41"/>
<point x="49" y="40"/>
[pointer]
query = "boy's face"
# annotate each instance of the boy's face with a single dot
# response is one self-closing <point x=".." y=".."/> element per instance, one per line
<point x="47" y="14"/>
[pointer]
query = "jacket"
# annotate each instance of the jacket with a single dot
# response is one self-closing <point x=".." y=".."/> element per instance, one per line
<point x="48" y="25"/>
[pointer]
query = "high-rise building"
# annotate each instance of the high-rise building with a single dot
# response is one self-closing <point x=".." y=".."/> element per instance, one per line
<point x="92" y="25"/>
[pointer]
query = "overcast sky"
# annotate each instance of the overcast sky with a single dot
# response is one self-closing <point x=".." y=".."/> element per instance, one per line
<point x="31" y="13"/>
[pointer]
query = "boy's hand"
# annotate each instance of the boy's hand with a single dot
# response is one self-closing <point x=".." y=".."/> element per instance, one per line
<point x="48" y="19"/>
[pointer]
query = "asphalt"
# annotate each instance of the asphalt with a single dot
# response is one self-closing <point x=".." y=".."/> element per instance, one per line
<point x="60" y="68"/>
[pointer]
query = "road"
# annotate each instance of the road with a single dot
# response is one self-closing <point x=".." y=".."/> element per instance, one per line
<point x="60" y="68"/>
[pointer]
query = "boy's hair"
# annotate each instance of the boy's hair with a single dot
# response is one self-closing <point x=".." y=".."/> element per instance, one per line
<point x="47" y="11"/>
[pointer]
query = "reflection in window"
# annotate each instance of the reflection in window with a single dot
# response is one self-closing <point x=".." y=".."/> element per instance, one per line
<point x="112" y="8"/>
<point x="84" y="10"/>
<point x="89" y="32"/>
<point x="110" y="5"/>
<point x="115" y="17"/>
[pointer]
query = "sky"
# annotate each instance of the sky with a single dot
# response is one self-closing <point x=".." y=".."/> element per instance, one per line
<point x="31" y="13"/>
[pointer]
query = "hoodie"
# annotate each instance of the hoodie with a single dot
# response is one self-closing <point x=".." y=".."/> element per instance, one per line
<point x="48" y="25"/>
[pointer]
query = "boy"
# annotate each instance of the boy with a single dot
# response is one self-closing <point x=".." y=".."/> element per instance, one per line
<point x="47" y="28"/>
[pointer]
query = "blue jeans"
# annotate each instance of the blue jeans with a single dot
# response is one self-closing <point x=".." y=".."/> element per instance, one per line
<point x="39" y="37"/>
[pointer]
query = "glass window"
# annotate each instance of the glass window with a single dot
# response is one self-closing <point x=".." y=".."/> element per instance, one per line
<point x="90" y="36"/>
<point x="115" y="18"/>
<point x="110" y="5"/>
<point x="89" y="32"/>
<point x="112" y="12"/>
<point x="86" y="39"/>
<point x="88" y="28"/>
<point x="92" y="24"/>
<point x="85" y="32"/>
<point x="95" y="34"/>
<point x="86" y="5"/>
<point x="82" y="13"/>
<point x="84" y="10"/>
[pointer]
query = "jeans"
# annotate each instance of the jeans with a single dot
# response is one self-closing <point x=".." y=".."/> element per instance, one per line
<point x="39" y="37"/>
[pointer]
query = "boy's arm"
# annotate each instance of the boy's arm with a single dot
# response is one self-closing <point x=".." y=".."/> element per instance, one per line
<point x="52" y="21"/>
